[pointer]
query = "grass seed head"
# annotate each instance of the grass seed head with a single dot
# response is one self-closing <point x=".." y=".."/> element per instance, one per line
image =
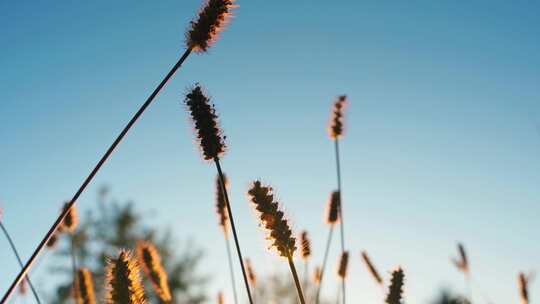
<point x="123" y="281"/>
<point x="205" y="121"/>
<point x="150" y="260"/>
<point x="272" y="219"/>
<point x="211" y="20"/>
<point x="372" y="270"/>
<point x="395" y="291"/>
<point x="85" y="287"/>
<point x="336" y="125"/>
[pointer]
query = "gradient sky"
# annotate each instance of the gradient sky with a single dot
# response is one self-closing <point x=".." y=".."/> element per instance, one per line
<point x="442" y="140"/>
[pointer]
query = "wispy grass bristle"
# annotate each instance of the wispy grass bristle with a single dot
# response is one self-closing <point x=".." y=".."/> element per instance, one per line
<point x="336" y="125"/>
<point x="305" y="245"/>
<point x="85" y="287"/>
<point x="150" y="260"/>
<point x="523" y="282"/>
<point x="211" y="20"/>
<point x="273" y="219"/>
<point x="221" y="205"/>
<point x="250" y="273"/>
<point x="123" y="280"/>
<point x="372" y="270"/>
<point x="205" y="121"/>
<point x="71" y="220"/>
<point x="395" y="290"/>
<point x="332" y="209"/>
<point x="343" y="262"/>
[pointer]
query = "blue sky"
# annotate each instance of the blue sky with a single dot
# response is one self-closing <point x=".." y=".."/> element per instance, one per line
<point x="442" y="138"/>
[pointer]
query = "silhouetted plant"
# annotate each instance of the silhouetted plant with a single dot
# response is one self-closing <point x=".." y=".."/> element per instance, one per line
<point x="395" y="289"/>
<point x="150" y="260"/>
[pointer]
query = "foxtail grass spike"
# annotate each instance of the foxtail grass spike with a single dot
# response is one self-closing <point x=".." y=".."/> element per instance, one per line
<point x="395" y="290"/>
<point x="305" y="245"/>
<point x="336" y="125"/>
<point x="343" y="262"/>
<point x="70" y="220"/>
<point x="150" y="260"/>
<point x="523" y="282"/>
<point x="212" y="19"/>
<point x="203" y="115"/>
<point x="123" y="280"/>
<point x="280" y="233"/>
<point x="462" y="263"/>
<point x="273" y="219"/>
<point x="371" y="268"/>
<point x="317" y="275"/>
<point x="51" y="243"/>
<point x="221" y="206"/>
<point x="251" y="273"/>
<point x="220" y="298"/>
<point x="202" y="33"/>
<point x="332" y="209"/>
<point x="85" y="287"/>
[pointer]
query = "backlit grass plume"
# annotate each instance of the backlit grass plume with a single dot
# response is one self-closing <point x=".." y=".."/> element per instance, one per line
<point x="152" y="266"/>
<point x="212" y="145"/>
<point x="221" y="206"/>
<point x="273" y="219"/>
<point x="462" y="263"/>
<point x="85" y="287"/>
<point x="336" y="125"/>
<point x="123" y="281"/>
<point x="202" y="33"/>
<point x="210" y="22"/>
<point x="280" y="233"/>
<point x="332" y="209"/>
<point x="523" y="285"/>
<point x="51" y="243"/>
<point x="203" y="115"/>
<point x="371" y="268"/>
<point x="395" y="290"/>
<point x="343" y="262"/>
<point x="305" y="245"/>
<point x="251" y="273"/>
<point x="317" y="275"/>
<point x="71" y="220"/>
<point x="220" y="298"/>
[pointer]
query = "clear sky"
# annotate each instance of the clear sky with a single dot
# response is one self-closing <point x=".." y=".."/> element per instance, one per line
<point x="442" y="142"/>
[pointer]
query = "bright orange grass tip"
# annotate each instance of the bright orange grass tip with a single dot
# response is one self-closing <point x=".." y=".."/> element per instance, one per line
<point x="210" y="22"/>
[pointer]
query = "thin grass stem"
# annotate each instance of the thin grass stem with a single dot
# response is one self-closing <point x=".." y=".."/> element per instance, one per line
<point x="296" y="280"/>
<point x="94" y="171"/>
<point x="340" y="209"/>
<point x="14" y="249"/>
<point x="325" y="259"/>
<point x="233" y="227"/>
<point x="231" y="270"/>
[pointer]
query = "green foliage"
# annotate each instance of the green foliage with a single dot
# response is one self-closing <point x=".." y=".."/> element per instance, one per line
<point x="113" y="226"/>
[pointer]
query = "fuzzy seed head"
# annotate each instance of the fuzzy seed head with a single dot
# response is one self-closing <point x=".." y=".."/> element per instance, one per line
<point x="272" y="219"/>
<point x="332" y="209"/>
<point x="220" y="298"/>
<point x="53" y="240"/>
<point x="205" y="121"/>
<point x="395" y="290"/>
<point x="523" y="283"/>
<point x="152" y="266"/>
<point x="305" y="245"/>
<point x="343" y="262"/>
<point x="71" y="220"/>
<point x="85" y="287"/>
<point x="462" y="262"/>
<point x="250" y="272"/>
<point x="211" y="20"/>
<point x="221" y="205"/>
<point x="23" y="287"/>
<point x="371" y="268"/>
<point x="317" y="274"/>
<point x="123" y="281"/>
<point x="336" y="125"/>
